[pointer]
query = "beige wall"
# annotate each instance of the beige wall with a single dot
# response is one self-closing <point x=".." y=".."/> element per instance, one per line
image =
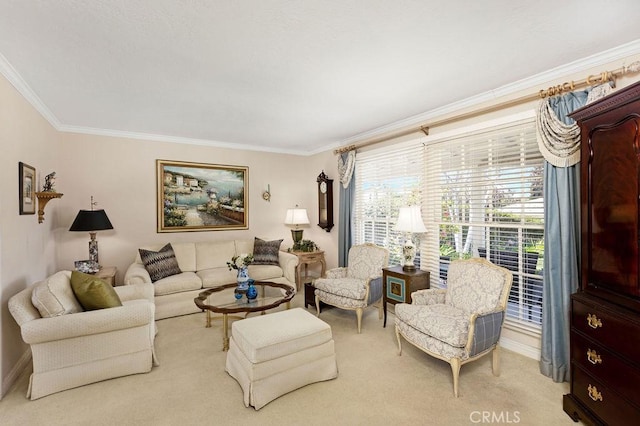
<point x="27" y="249"/>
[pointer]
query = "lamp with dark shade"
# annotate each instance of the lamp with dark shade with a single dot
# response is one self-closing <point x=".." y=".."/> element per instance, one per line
<point x="91" y="221"/>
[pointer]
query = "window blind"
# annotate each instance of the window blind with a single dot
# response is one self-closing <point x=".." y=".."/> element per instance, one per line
<point x="482" y="196"/>
<point x="386" y="179"/>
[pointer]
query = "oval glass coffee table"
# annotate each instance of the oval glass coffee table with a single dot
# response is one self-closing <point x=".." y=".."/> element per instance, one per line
<point x="222" y="300"/>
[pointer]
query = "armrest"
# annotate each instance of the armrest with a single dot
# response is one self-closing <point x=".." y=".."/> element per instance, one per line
<point x="288" y="263"/>
<point x="484" y="331"/>
<point x="133" y="314"/>
<point x="135" y="291"/>
<point x="336" y="273"/>
<point x="136" y="274"/>
<point x="429" y="296"/>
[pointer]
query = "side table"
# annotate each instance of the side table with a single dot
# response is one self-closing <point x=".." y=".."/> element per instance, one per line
<point x="398" y="284"/>
<point x="108" y="274"/>
<point x="307" y="258"/>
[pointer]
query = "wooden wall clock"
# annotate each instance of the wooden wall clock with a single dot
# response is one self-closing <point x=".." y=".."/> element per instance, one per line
<point x="325" y="202"/>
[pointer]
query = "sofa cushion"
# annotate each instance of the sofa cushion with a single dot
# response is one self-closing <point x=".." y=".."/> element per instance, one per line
<point x="443" y="322"/>
<point x="215" y="277"/>
<point x="54" y="296"/>
<point x="264" y="272"/>
<point x="214" y="254"/>
<point x="160" y="264"/>
<point x="184" y="281"/>
<point x="92" y="292"/>
<point x="266" y="252"/>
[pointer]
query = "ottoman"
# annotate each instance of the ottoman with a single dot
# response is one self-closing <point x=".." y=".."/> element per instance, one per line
<point x="271" y="355"/>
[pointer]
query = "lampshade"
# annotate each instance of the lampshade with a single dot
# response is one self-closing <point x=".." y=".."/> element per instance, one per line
<point x="410" y="220"/>
<point x="296" y="217"/>
<point x="91" y="220"/>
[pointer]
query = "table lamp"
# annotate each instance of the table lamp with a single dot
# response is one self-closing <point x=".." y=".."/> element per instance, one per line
<point x="91" y="221"/>
<point x="409" y="221"/>
<point x="296" y="217"/>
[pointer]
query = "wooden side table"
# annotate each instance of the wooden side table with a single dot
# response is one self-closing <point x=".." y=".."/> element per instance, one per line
<point x="108" y="274"/>
<point x="398" y="284"/>
<point x="307" y="258"/>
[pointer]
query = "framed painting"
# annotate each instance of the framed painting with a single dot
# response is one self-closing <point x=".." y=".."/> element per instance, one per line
<point x="26" y="188"/>
<point x="201" y="197"/>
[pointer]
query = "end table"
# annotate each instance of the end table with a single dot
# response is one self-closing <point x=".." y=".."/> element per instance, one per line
<point x="307" y="258"/>
<point x="398" y="284"/>
<point x="108" y="274"/>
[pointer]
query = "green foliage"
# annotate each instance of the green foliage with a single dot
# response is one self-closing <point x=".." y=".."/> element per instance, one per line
<point x="304" y="245"/>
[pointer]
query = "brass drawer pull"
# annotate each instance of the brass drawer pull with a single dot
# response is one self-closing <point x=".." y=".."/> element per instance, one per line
<point x="594" y="394"/>
<point x="593" y="321"/>
<point x="593" y="357"/>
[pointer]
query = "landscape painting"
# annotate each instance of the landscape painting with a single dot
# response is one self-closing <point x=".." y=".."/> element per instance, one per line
<point x="201" y="197"/>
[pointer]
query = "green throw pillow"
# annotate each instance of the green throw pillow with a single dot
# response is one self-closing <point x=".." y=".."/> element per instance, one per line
<point x="92" y="292"/>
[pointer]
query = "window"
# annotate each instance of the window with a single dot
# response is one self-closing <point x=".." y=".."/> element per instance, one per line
<point x="386" y="179"/>
<point x="483" y="197"/>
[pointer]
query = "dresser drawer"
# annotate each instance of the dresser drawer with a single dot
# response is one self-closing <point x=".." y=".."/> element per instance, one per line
<point x="605" y="366"/>
<point x="620" y="334"/>
<point x="601" y="400"/>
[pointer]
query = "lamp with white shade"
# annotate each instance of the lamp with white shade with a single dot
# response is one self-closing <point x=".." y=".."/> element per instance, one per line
<point x="296" y="217"/>
<point x="409" y="221"/>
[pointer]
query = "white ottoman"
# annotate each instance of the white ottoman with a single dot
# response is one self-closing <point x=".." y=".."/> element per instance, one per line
<point x="271" y="355"/>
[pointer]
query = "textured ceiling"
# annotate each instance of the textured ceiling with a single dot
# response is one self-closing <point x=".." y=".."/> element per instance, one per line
<point x="283" y="75"/>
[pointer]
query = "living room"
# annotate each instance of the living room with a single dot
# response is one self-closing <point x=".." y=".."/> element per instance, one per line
<point x="118" y="169"/>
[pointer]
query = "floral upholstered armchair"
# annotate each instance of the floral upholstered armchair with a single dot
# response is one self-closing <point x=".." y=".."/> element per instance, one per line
<point x="461" y="323"/>
<point x="356" y="286"/>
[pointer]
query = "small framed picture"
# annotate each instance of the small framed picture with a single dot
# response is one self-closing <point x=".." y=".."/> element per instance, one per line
<point x="27" y="188"/>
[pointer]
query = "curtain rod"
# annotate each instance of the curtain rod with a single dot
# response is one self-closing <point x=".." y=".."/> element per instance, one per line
<point x="591" y="80"/>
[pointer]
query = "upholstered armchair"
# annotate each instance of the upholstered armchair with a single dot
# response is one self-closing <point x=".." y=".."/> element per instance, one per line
<point x="461" y="323"/>
<point x="71" y="347"/>
<point x="357" y="285"/>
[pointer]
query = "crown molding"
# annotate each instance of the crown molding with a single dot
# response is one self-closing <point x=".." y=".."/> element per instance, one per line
<point x="599" y="59"/>
<point x="10" y="73"/>
<point x="173" y="139"/>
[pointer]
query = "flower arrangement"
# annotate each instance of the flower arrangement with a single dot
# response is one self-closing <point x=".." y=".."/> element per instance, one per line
<point x="241" y="261"/>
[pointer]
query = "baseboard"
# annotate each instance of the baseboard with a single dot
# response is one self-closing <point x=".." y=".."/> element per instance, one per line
<point x="520" y="348"/>
<point x="15" y="372"/>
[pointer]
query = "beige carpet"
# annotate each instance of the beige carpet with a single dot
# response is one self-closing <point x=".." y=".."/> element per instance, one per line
<point x="375" y="386"/>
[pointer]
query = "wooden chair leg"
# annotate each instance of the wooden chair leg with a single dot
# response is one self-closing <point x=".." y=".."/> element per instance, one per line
<point x="399" y="343"/>
<point x="359" y="315"/>
<point x="495" y="366"/>
<point x="317" y="306"/>
<point x="455" y="369"/>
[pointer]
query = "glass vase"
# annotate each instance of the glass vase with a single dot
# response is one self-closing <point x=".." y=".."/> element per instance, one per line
<point x="252" y="291"/>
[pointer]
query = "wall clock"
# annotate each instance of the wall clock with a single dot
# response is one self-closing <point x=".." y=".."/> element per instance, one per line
<point x="325" y="202"/>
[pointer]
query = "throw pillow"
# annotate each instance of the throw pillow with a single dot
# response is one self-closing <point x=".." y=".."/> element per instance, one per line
<point x="160" y="264"/>
<point x="266" y="252"/>
<point x="54" y="296"/>
<point x="92" y="292"/>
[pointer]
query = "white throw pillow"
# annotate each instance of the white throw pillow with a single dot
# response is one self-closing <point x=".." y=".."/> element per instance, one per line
<point x="54" y="296"/>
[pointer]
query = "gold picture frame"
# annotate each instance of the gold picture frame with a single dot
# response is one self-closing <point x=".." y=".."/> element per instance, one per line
<point x="26" y="188"/>
<point x="201" y="197"/>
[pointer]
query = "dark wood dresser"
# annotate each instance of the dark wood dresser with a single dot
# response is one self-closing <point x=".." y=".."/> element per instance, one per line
<point x="605" y="311"/>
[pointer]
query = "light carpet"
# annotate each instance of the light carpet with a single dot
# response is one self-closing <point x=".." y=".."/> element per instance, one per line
<point x="375" y="386"/>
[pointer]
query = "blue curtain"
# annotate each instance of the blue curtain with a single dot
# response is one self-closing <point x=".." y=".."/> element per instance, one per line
<point x="562" y="250"/>
<point x="345" y="217"/>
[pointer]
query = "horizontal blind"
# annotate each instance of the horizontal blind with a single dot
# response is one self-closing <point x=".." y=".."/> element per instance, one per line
<point x="483" y="197"/>
<point x="386" y="179"/>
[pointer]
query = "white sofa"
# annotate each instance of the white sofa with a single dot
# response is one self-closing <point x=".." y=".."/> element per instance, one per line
<point x="204" y="265"/>
<point x="77" y="348"/>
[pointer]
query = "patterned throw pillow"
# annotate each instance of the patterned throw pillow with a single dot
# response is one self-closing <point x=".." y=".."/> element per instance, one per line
<point x="160" y="264"/>
<point x="266" y="252"/>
